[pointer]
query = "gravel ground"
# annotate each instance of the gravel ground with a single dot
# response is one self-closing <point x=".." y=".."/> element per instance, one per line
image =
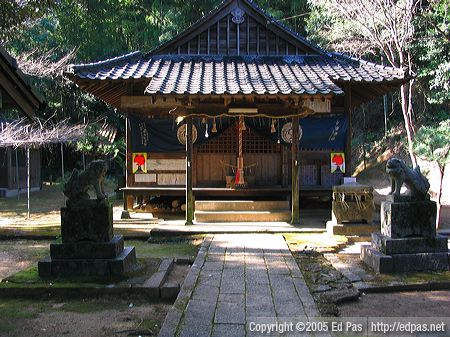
<point x="16" y="255"/>
<point x="404" y="304"/>
<point x="142" y="319"/>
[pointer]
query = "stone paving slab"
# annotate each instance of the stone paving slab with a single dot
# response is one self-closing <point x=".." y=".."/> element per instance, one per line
<point x="237" y="279"/>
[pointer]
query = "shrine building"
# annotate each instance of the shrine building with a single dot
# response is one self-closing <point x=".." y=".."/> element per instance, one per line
<point x="236" y="108"/>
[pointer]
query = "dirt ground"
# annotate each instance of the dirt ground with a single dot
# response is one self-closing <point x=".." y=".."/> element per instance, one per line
<point x="404" y="304"/>
<point x="16" y="255"/>
<point x="89" y="318"/>
<point x="45" y="206"/>
<point x="85" y="317"/>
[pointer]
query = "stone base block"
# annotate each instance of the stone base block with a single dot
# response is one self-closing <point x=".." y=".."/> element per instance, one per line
<point x="380" y="263"/>
<point x="360" y="229"/>
<point x="89" y="223"/>
<point x="170" y="291"/>
<point x="389" y="246"/>
<point x="398" y="263"/>
<point x="408" y="219"/>
<point x="101" y="268"/>
<point x="361" y="212"/>
<point x="125" y="215"/>
<point x="87" y="249"/>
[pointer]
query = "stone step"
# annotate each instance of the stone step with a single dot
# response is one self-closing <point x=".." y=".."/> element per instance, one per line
<point x="102" y="268"/>
<point x="241" y="205"/>
<point x="242" y="216"/>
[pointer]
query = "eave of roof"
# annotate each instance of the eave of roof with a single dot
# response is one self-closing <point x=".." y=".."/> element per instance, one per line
<point x="202" y="74"/>
<point x="34" y="98"/>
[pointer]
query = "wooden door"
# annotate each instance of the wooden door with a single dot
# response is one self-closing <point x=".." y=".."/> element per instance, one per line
<point x="214" y="160"/>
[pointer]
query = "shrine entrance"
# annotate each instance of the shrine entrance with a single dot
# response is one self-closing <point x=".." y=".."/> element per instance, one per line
<point x="241" y="158"/>
<point x="250" y="167"/>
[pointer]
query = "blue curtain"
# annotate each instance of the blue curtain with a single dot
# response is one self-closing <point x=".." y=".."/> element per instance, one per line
<point x="160" y="135"/>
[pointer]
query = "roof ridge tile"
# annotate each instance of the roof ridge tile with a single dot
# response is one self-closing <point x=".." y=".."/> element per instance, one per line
<point x="110" y="62"/>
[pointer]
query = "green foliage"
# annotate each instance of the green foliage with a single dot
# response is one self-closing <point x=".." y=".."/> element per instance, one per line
<point x="97" y="145"/>
<point x="292" y="13"/>
<point x="15" y="13"/>
<point x="432" y="47"/>
<point x="433" y="143"/>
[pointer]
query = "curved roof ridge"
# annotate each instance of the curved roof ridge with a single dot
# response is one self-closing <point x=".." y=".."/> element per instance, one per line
<point x="346" y="57"/>
<point x="111" y="61"/>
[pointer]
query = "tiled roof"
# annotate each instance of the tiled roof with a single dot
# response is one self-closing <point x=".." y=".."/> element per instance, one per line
<point x="194" y="74"/>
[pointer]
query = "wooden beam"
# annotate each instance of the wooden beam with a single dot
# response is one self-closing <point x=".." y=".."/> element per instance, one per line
<point x="16" y="81"/>
<point x="209" y="41"/>
<point x="295" y="185"/>
<point x="19" y="95"/>
<point x="247" y="22"/>
<point x="189" y="193"/>
<point x="257" y="40"/>
<point x="218" y="37"/>
<point x="228" y="35"/>
<point x="136" y="102"/>
<point x="128" y="163"/>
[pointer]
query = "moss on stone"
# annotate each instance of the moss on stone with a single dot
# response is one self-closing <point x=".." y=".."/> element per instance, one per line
<point x="312" y="241"/>
<point x="163" y="250"/>
<point x="87" y="306"/>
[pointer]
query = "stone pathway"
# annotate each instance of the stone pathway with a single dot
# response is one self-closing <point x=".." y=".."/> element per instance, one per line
<point x="236" y="279"/>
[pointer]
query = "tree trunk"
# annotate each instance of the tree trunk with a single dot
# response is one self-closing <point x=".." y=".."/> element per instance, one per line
<point x="441" y="179"/>
<point x="408" y="122"/>
<point x="405" y="94"/>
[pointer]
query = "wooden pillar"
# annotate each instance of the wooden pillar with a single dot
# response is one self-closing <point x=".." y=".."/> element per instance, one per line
<point x="348" y="142"/>
<point x="189" y="194"/>
<point x="127" y="163"/>
<point x="9" y="169"/>
<point x="28" y="182"/>
<point x="62" y="161"/>
<point x="128" y="199"/>
<point x="128" y="159"/>
<point x="17" y="174"/>
<point x="284" y="166"/>
<point x="295" y="220"/>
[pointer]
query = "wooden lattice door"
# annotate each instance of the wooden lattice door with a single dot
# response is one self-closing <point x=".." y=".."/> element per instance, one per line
<point x="214" y="160"/>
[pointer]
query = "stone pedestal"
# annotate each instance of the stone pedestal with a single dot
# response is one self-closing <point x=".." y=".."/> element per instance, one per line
<point x="352" y="210"/>
<point x="88" y="248"/>
<point x="408" y="240"/>
<point x="87" y="223"/>
<point x="408" y="218"/>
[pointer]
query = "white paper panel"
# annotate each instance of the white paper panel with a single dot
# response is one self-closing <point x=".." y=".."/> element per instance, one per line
<point x="145" y="178"/>
<point x="172" y="179"/>
<point x="166" y="164"/>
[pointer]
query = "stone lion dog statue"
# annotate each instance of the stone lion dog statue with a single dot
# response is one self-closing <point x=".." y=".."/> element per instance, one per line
<point x="401" y="174"/>
<point x="79" y="183"/>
